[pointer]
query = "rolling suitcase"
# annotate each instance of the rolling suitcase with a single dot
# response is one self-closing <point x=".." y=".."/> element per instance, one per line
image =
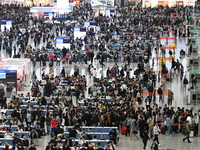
<point x="123" y="130"/>
<point x="173" y="103"/>
<point x="163" y="129"/>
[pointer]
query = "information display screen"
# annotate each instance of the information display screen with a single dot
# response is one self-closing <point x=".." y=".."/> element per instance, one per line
<point x="79" y="32"/>
<point x="2" y="75"/>
<point x="48" y="14"/>
<point x="6" y="23"/>
<point x="109" y="12"/>
<point x="8" y="77"/>
<point x="63" y="42"/>
<point x="90" y="23"/>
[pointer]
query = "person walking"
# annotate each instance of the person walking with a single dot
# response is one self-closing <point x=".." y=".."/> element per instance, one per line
<point x="156" y="131"/>
<point x="187" y="132"/>
<point x="145" y="138"/>
<point x="133" y="129"/>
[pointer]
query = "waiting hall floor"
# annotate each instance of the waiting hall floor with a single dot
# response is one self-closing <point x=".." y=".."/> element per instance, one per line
<point x="167" y="143"/>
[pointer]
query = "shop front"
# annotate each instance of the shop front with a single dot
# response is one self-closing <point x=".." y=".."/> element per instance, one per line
<point x="37" y="2"/>
<point x="170" y="3"/>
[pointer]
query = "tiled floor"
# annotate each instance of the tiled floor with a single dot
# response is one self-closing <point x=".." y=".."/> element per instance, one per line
<point x="167" y="143"/>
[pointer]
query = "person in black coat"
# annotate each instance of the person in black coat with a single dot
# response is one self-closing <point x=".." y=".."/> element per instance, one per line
<point x="66" y="147"/>
<point x="150" y="90"/>
<point x="145" y="138"/>
<point x="160" y="93"/>
<point x="142" y="125"/>
<point x="25" y="142"/>
<point x="72" y="133"/>
<point x="32" y="147"/>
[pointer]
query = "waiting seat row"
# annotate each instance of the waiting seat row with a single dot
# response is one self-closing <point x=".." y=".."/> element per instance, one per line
<point x="94" y="129"/>
<point x="99" y="135"/>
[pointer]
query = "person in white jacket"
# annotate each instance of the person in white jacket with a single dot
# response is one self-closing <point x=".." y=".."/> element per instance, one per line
<point x="156" y="131"/>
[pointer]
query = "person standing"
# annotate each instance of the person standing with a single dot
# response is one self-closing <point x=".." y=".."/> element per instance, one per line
<point x="169" y="125"/>
<point x="194" y="82"/>
<point x="53" y="124"/>
<point x="150" y="90"/>
<point x="156" y="131"/>
<point x="160" y="93"/>
<point x="154" y="78"/>
<point x="187" y="132"/>
<point x="128" y="124"/>
<point x="163" y="82"/>
<point x="28" y="118"/>
<point x="170" y="97"/>
<point x="185" y="82"/>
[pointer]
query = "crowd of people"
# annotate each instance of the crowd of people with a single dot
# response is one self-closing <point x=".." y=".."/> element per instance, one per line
<point x="117" y="99"/>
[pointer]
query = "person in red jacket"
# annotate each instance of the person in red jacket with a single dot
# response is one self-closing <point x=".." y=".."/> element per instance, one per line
<point x="53" y="124"/>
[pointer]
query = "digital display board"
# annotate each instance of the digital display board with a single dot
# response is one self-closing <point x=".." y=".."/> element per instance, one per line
<point x="90" y="23"/>
<point x="8" y="77"/>
<point x="110" y="11"/>
<point x="48" y="14"/>
<point x="63" y="42"/>
<point x="6" y="23"/>
<point x="2" y="75"/>
<point x="79" y="32"/>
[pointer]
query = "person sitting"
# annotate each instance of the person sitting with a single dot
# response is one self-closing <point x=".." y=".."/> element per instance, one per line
<point x="95" y="138"/>
<point x="72" y="133"/>
<point x="25" y="142"/>
<point x="113" y="136"/>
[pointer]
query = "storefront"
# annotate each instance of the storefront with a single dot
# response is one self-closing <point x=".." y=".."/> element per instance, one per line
<point x="170" y="3"/>
<point x="12" y="1"/>
<point x="37" y="2"/>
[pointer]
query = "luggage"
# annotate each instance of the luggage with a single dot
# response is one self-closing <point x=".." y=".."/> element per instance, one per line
<point x="70" y="62"/>
<point x="123" y="130"/>
<point x="173" y="103"/>
<point x="191" y="134"/>
<point x="163" y="129"/>
<point x="63" y="61"/>
<point x="183" y="130"/>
